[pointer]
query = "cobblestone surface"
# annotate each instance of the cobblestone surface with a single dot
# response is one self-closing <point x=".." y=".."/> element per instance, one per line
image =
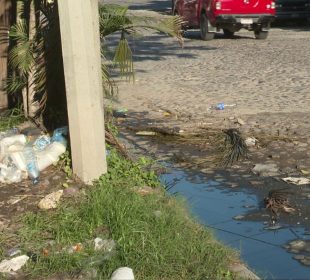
<point x="259" y="76"/>
<point x="268" y="80"/>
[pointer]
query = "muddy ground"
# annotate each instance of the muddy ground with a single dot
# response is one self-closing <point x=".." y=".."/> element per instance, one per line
<point x="267" y="81"/>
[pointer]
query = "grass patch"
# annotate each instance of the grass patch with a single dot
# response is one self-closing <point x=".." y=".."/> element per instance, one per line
<point x="154" y="234"/>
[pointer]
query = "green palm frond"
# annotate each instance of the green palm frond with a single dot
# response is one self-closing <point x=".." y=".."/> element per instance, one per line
<point x="112" y="18"/>
<point x="21" y="56"/>
<point x="28" y="55"/>
<point x="109" y="86"/>
<point x="123" y="57"/>
<point x="19" y="31"/>
<point x="171" y="26"/>
<point x="15" y="84"/>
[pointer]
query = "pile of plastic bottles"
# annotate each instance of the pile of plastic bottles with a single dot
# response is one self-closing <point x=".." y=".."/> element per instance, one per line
<point x="22" y="156"/>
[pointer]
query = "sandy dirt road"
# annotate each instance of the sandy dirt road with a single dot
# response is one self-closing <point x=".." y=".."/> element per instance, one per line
<point x="267" y="80"/>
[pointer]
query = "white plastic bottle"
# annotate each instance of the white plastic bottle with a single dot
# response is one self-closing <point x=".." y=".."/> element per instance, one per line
<point x="11" y="144"/>
<point x="50" y="155"/>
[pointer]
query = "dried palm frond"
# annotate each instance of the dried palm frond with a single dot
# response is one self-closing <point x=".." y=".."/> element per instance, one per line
<point x="277" y="201"/>
<point x="234" y="147"/>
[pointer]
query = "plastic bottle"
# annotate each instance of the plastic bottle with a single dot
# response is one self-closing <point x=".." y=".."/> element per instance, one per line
<point x="11" y="144"/>
<point x="10" y="174"/>
<point x="58" y="135"/>
<point x="31" y="164"/>
<point x="222" y="106"/>
<point x="50" y="154"/>
<point x="41" y="143"/>
<point x="9" y="132"/>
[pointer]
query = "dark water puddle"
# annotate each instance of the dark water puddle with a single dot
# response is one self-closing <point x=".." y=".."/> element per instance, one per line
<point x="215" y="206"/>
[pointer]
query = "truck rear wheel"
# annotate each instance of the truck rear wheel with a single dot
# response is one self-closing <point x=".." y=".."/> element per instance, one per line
<point x="261" y="35"/>
<point x="228" y="33"/>
<point x="206" y="35"/>
<point x="172" y="7"/>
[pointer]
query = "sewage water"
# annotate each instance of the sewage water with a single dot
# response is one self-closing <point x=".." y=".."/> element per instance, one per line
<point x="215" y="206"/>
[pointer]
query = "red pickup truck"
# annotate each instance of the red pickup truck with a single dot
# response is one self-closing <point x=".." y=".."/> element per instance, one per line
<point x="230" y="15"/>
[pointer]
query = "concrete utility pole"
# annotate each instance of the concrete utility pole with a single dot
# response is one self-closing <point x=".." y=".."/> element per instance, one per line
<point x="79" y="26"/>
<point x="6" y="14"/>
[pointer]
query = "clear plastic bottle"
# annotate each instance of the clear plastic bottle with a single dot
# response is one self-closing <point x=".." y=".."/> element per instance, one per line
<point x="9" y="132"/>
<point x="58" y="135"/>
<point x="31" y="164"/>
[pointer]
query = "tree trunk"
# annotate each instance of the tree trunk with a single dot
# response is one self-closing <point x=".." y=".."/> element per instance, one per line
<point x="6" y="19"/>
<point x="33" y="104"/>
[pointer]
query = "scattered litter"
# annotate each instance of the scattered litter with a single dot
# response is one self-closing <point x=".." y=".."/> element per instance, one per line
<point x="8" y="133"/>
<point x="12" y="265"/>
<point x="51" y="200"/>
<point x="31" y="164"/>
<point x="42" y="142"/>
<point x="274" y="227"/>
<point x="146" y="133"/>
<point x="10" y="174"/>
<point x="167" y="114"/>
<point x="11" y="144"/>
<point x="305" y="172"/>
<point x="75" y="248"/>
<point x="16" y="199"/>
<point x="23" y="156"/>
<point x="50" y="154"/>
<point x="251" y="141"/>
<point x="238" y="217"/>
<point x="45" y="252"/>
<point x="120" y="113"/>
<point x="269" y="169"/>
<point x="297" y="181"/>
<point x="33" y="256"/>
<point x="240" y="121"/>
<point x="98" y="244"/>
<point x="122" y="110"/>
<point x="222" y="106"/>
<point x="157" y="213"/>
<point x="106" y="245"/>
<point x="123" y="273"/>
<point x="58" y="135"/>
<point x="13" y="252"/>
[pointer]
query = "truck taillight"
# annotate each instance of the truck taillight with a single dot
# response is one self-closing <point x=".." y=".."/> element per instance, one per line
<point x="218" y="5"/>
<point x="273" y="5"/>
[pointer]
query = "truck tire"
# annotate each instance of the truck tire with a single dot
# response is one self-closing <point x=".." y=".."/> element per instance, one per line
<point x="206" y="35"/>
<point x="228" y="33"/>
<point x="260" y="35"/>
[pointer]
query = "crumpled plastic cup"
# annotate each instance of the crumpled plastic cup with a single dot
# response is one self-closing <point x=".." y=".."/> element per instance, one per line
<point x="220" y="106"/>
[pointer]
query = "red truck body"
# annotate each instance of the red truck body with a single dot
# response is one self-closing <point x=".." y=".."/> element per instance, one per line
<point x="229" y="15"/>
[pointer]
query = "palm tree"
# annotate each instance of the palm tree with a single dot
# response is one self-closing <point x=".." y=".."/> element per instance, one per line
<point x="35" y="37"/>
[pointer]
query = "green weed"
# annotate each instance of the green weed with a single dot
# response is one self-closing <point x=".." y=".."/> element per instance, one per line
<point x="11" y="118"/>
<point x="155" y="235"/>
